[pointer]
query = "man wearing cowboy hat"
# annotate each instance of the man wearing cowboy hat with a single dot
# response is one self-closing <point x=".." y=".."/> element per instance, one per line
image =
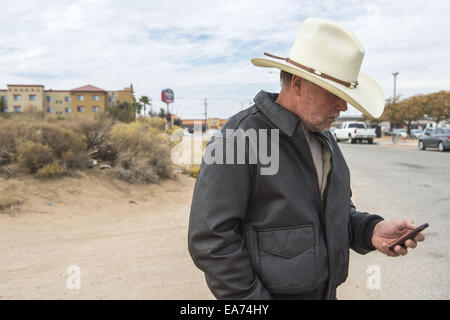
<point x="287" y="235"/>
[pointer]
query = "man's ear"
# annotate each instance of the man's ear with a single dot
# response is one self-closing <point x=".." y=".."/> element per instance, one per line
<point x="296" y="83"/>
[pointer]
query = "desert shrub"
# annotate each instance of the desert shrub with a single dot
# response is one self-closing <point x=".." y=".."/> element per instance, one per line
<point x="33" y="155"/>
<point x="134" y="169"/>
<point x="125" y="137"/>
<point x="10" y="170"/>
<point x="137" y="138"/>
<point x="12" y="130"/>
<point x="75" y="160"/>
<point x="191" y="170"/>
<point x="50" y="170"/>
<point x="65" y="144"/>
<point x="160" y="159"/>
<point x="146" y="143"/>
<point x="154" y="122"/>
<point x="60" y="139"/>
<point x="50" y="147"/>
<point x="97" y="135"/>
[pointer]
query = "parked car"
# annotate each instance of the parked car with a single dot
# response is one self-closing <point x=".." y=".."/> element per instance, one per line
<point x="186" y="132"/>
<point x="354" y="131"/>
<point x="435" y="138"/>
<point x="416" y="133"/>
<point x="400" y="132"/>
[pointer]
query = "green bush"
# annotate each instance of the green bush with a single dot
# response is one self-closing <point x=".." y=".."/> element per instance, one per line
<point x="124" y="111"/>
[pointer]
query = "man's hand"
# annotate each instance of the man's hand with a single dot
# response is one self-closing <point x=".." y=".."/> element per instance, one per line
<point x="386" y="232"/>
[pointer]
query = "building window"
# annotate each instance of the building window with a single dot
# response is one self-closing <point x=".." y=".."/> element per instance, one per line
<point x="5" y="109"/>
<point x="4" y="98"/>
<point x="32" y="97"/>
<point x="49" y="99"/>
<point x="68" y="110"/>
<point x="95" y="98"/>
<point x="80" y="98"/>
<point x="50" y="110"/>
<point x="67" y="99"/>
<point x="16" y="97"/>
<point x="80" y="108"/>
<point x="95" y="108"/>
<point x="17" y="108"/>
<point x="111" y="99"/>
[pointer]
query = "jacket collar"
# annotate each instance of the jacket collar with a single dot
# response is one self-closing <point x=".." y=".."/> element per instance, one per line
<point x="281" y="117"/>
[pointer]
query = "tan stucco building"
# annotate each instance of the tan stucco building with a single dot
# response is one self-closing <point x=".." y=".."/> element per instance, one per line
<point x="23" y="98"/>
<point x="116" y="97"/>
<point x="83" y="101"/>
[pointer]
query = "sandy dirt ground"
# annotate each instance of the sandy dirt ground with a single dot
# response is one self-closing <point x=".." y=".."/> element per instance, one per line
<point x="129" y="242"/>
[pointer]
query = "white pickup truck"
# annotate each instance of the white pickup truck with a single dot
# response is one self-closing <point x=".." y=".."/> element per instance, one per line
<point x="354" y="131"/>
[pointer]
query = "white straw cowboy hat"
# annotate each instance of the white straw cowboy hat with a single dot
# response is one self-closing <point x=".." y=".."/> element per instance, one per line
<point x="330" y="56"/>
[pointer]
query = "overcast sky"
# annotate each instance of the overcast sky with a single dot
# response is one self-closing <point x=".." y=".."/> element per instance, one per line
<point x="202" y="49"/>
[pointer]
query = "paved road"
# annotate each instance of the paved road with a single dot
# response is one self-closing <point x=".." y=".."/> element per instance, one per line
<point x="402" y="183"/>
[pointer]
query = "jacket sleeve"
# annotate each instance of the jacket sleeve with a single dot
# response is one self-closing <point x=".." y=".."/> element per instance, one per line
<point x="361" y="229"/>
<point x="215" y="239"/>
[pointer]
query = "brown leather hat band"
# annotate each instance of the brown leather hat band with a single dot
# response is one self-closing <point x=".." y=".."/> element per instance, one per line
<point x="318" y="73"/>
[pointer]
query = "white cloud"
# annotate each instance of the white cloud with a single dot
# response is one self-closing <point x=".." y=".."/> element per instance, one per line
<point x="202" y="48"/>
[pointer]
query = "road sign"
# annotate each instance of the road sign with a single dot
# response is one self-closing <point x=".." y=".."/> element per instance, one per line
<point x="167" y="96"/>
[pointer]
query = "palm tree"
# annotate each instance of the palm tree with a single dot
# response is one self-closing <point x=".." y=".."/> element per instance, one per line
<point x="145" y="101"/>
<point x="138" y="107"/>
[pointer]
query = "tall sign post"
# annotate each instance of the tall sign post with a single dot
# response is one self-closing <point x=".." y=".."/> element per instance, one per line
<point x="167" y="96"/>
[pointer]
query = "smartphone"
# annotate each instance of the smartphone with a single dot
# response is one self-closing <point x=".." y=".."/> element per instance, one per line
<point x="410" y="235"/>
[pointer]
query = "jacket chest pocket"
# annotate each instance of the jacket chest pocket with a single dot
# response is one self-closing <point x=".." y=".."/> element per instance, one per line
<point x="286" y="259"/>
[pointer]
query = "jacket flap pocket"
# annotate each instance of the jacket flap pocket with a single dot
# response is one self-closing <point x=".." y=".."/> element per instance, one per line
<point x="286" y="242"/>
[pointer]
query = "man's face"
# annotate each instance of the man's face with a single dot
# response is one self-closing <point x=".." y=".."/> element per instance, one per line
<point x="317" y="107"/>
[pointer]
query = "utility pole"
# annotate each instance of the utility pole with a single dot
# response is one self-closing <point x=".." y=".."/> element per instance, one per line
<point x="151" y="107"/>
<point x="169" y="123"/>
<point x="395" y="74"/>
<point x="206" y="114"/>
